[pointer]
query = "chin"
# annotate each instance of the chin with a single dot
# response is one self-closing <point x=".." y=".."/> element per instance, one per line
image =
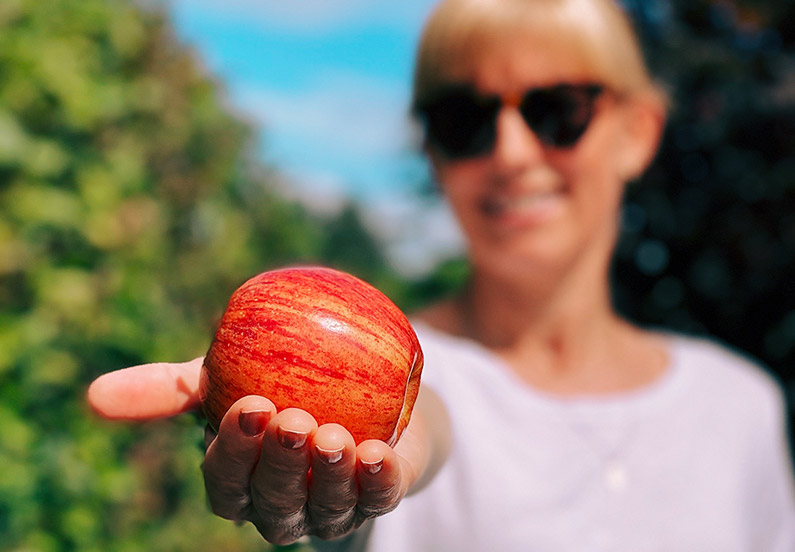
<point x="528" y="259"/>
<point x="519" y="265"/>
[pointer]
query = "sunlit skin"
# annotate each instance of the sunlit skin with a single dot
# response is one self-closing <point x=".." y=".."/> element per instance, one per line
<point x="527" y="206"/>
<point x="541" y="226"/>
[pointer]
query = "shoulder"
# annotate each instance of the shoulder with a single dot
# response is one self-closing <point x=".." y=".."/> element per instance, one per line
<point x="453" y="362"/>
<point x="714" y="359"/>
<point x="442" y="316"/>
<point x="437" y="328"/>
<point x="728" y="375"/>
<point x="443" y="347"/>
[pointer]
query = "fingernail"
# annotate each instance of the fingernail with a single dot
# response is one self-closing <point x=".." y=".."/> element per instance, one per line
<point x="330" y="456"/>
<point x="252" y="422"/>
<point x="290" y="439"/>
<point x="373" y="467"/>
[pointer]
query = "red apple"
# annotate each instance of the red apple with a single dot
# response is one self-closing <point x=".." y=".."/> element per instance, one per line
<point x="320" y="340"/>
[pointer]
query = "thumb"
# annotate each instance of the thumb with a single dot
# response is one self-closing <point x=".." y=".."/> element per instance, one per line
<point x="147" y="391"/>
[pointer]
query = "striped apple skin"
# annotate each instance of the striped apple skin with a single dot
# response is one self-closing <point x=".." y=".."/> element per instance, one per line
<point x="320" y="340"/>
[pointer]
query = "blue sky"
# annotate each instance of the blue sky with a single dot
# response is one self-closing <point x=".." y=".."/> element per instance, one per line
<point x="327" y="83"/>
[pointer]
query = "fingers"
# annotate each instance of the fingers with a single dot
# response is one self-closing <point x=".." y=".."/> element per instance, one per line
<point x="312" y="480"/>
<point x="233" y="454"/>
<point x="381" y="480"/>
<point x="333" y="488"/>
<point x="147" y="391"/>
<point x="209" y="436"/>
<point x="279" y="484"/>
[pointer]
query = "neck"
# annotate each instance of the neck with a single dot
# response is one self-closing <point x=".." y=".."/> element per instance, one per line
<point x="506" y="316"/>
<point x="562" y="337"/>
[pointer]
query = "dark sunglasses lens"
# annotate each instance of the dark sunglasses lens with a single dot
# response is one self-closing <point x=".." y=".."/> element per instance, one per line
<point x="460" y="125"/>
<point x="560" y="115"/>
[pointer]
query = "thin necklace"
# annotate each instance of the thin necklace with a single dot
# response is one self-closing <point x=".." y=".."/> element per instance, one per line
<point x="611" y="453"/>
<point x="610" y="445"/>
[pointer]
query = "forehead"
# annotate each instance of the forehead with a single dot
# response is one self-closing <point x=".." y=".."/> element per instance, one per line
<point x="524" y="43"/>
<point x="524" y="62"/>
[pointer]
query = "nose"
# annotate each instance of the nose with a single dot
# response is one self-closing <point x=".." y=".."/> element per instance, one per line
<point x="516" y="146"/>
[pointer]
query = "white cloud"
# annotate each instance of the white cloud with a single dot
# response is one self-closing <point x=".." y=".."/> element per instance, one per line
<point x="321" y="193"/>
<point x="349" y="129"/>
<point x="347" y="111"/>
<point x="416" y="233"/>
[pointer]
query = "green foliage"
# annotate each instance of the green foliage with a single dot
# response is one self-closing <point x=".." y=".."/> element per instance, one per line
<point x="129" y="211"/>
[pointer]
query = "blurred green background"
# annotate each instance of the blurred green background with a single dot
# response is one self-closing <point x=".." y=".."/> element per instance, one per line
<point x="131" y="206"/>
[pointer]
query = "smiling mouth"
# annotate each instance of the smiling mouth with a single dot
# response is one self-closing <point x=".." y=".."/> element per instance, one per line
<point x="533" y="205"/>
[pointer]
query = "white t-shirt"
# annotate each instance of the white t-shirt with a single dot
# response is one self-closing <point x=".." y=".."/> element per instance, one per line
<point x="696" y="462"/>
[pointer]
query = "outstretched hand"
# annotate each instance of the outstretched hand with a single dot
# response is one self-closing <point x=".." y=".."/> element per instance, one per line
<point x="278" y="470"/>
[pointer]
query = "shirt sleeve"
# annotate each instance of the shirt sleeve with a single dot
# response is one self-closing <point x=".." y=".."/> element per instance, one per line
<point x="773" y="499"/>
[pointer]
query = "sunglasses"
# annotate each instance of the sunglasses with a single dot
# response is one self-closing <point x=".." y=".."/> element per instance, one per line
<point x="462" y="123"/>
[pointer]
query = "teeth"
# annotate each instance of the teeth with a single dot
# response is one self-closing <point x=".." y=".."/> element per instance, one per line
<point x="526" y="201"/>
<point x="520" y="203"/>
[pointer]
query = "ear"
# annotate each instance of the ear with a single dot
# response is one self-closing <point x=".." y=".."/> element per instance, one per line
<point x="643" y="121"/>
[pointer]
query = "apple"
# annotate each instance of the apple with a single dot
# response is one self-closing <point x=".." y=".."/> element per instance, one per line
<point x="320" y="340"/>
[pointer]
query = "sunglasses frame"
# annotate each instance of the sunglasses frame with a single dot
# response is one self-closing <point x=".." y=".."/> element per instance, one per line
<point x="460" y="122"/>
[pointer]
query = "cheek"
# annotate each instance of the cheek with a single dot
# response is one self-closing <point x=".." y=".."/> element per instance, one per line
<point x="460" y="185"/>
<point x="594" y="169"/>
<point x="464" y="206"/>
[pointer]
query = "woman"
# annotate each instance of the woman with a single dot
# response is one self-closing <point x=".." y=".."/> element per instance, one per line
<point x="546" y="422"/>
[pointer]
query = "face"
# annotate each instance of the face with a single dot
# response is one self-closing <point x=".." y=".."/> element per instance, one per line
<point x="525" y="205"/>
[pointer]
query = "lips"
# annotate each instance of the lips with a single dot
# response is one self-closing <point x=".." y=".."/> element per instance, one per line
<point x="525" y="207"/>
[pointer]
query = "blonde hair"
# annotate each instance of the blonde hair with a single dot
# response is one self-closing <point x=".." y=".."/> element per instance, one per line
<point x="458" y="31"/>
